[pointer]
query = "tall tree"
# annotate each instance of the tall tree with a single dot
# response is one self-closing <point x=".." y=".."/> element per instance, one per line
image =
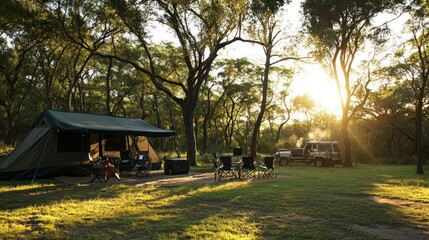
<point x="20" y="33"/>
<point x="265" y="32"/>
<point x="420" y="41"/>
<point x="338" y="30"/>
<point x="413" y="66"/>
<point x="200" y="30"/>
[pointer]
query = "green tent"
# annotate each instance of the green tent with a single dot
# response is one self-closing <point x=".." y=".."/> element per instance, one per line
<point x="60" y="143"/>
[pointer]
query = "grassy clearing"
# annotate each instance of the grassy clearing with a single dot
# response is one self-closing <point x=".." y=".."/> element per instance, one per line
<point x="304" y="202"/>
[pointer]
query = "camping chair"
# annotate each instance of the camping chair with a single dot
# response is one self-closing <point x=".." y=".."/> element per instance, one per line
<point x="224" y="168"/>
<point x="142" y="165"/>
<point x="110" y="170"/>
<point x="248" y="168"/>
<point x="97" y="169"/>
<point x="268" y="169"/>
<point x="125" y="163"/>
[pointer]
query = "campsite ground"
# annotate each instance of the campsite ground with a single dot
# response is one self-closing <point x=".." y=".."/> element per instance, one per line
<point x="304" y="202"/>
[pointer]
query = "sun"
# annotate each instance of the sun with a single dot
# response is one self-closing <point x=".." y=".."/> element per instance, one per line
<point x="315" y="82"/>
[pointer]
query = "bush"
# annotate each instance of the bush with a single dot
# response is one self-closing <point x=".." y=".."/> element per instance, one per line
<point x="206" y="158"/>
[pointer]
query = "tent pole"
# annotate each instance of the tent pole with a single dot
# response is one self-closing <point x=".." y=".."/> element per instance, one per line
<point x="40" y="161"/>
<point x="100" y="146"/>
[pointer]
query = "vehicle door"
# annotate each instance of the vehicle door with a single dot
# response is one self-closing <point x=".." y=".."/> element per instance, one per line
<point x="312" y="151"/>
<point x="325" y="150"/>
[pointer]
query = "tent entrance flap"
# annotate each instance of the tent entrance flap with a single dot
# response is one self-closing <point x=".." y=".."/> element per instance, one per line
<point x="40" y="160"/>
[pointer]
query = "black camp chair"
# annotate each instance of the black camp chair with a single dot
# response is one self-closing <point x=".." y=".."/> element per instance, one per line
<point x="102" y="169"/>
<point x="248" y="168"/>
<point x="268" y="169"/>
<point x="142" y="165"/>
<point x="125" y="162"/>
<point x="97" y="169"/>
<point x="224" y="168"/>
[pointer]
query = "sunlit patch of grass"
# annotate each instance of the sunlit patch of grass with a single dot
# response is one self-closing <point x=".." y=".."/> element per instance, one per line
<point x="415" y="182"/>
<point x="409" y="201"/>
<point x="18" y="188"/>
<point x="12" y="229"/>
<point x="407" y="192"/>
<point x="310" y="203"/>
<point x="239" y="225"/>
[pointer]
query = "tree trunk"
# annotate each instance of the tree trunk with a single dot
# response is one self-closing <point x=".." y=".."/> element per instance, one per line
<point x="176" y="145"/>
<point x="191" y="147"/>
<point x="254" y="143"/>
<point x="279" y="131"/>
<point x="9" y="138"/>
<point x="205" y="138"/>
<point x="108" y="80"/>
<point x="419" y="137"/>
<point x="347" y="144"/>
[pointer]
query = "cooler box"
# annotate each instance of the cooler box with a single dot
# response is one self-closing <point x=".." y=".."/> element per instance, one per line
<point x="173" y="166"/>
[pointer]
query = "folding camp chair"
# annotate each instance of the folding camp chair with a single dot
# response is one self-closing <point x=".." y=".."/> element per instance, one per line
<point x="110" y="170"/>
<point x="97" y="169"/>
<point x="224" y="168"/>
<point x="267" y="169"/>
<point x="248" y="168"/>
<point x="125" y="163"/>
<point x="142" y="165"/>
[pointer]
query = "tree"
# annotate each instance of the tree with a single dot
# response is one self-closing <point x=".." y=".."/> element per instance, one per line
<point x="50" y="61"/>
<point x="420" y="41"/>
<point x="236" y="81"/>
<point x="200" y="28"/>
<point x="413" y="65"/>
<point x="339" y="30"/>
<point x="392" y="118"/>
<point x="20" y="33"/>
<point x="264" y="31"/>
<point x="305" y="104"/>
<point x="284" y="111"/>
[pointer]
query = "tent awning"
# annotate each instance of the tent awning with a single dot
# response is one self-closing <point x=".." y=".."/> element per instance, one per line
<point x="85" y="122"/>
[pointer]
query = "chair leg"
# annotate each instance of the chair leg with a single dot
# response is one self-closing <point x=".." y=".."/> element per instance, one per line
<point x="95" y="174"/>
<point x="217" y="175"/>
<point x="110" y="173"/>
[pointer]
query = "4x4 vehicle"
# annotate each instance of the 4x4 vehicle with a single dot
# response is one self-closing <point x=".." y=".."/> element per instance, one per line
<point x="324" y="153"/>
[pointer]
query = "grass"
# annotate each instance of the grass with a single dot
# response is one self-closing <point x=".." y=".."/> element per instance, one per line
<point x="304" y="202"/>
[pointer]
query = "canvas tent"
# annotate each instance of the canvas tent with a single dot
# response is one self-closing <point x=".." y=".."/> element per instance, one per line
<point x="61" y="142"/>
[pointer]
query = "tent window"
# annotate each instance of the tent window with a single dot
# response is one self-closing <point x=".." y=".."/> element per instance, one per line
<point x="115" y="143"/>
<point x="72" y="142"/>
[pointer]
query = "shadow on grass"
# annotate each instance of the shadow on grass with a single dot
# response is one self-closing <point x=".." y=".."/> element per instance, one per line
<point x="14" y="195"/>
<point x="312" y="203"/>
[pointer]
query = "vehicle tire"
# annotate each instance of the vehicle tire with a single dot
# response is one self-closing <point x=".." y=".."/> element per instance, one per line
<point x="283" y="161"/>
<point x="318" y="162"/>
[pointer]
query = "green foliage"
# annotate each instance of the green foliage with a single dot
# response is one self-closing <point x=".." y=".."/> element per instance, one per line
<point x="4" y="151"/>
<point x="263" y="6"/>
<point x="102" y="57"/>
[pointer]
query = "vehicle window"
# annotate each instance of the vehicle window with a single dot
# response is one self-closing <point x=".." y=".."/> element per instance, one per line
<point x="324" y="148"/>
<point x="336" y="148"/>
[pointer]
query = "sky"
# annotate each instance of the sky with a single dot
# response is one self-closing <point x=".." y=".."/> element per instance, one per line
<point x="309" y="78"/>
